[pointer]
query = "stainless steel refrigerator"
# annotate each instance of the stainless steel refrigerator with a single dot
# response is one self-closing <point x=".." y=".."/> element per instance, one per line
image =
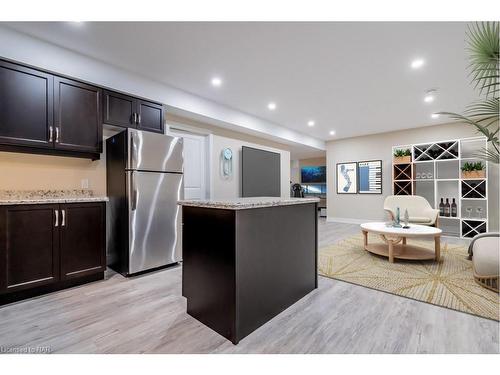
<point x="144" y="183"/>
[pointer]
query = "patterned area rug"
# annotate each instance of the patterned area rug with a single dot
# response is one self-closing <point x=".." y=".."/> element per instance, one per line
<point x="449" y="283"/>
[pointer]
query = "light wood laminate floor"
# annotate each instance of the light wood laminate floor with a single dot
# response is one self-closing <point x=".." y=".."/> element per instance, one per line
<point x="147" y="314"/>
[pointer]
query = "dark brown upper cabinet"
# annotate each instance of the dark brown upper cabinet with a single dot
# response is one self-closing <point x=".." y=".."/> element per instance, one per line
<point x="44" y="113"/>
<point x="119" y="109"/>
<point x="131" y="112"/>
<point x="26" y="106"/>
<point x="77" y="120"/>
<point x="29" y="246"/>
<point x="82" y="239"/>
<point x="150" y="116"/>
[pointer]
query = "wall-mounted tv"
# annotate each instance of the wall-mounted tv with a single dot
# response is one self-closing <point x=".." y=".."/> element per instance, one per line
<point x="313" y="175"/>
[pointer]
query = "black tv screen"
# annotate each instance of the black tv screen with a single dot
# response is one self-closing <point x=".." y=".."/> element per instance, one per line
<point x="261" y="173"/>
<point x="311" y="175"/>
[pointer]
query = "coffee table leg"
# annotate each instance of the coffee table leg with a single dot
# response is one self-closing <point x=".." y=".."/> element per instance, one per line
<point x="437" y="247"/>
<point x="365" y="238"/>
<point x="391" y="251"/>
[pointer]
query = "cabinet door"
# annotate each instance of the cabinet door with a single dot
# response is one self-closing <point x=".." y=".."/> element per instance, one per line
<point x="119" y="109"/>
<point x="82" y="239"/>
<point x="78" y="125"/>
<point x="29" y="246"/>
<point x="26" y="106"/>
<point x="151" y="116"/>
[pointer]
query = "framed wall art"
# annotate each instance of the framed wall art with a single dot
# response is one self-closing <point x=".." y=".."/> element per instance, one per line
<point x="370" y="177"/>
<point x="347" y="178"/>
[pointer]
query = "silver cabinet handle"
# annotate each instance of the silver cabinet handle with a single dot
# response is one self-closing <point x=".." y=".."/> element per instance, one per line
<point x="56" y="212"/>
<point x="51" y="133"/>
<point x="134" y="118"/>
<point x="133" y="205"/>
<point x="57" y="134"/>
<point x="63" y="221"/>
<point x="138" y="119"/>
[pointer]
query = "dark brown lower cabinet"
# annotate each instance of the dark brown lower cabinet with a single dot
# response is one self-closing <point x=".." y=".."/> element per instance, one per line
<point x="47" y="247"/>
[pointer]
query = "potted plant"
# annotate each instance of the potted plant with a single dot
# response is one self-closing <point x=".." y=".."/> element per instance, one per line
<point x="473" y="170"/>
<point x="402" y="156"/>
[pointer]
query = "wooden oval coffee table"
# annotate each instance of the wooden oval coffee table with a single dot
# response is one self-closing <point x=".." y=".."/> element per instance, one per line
<point x="395" y="244"/>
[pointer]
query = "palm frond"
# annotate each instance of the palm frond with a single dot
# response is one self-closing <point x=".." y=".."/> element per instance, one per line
<point x="483" y="46"/>
<point x="488" y="155"/>
<point x="484" y="112"/>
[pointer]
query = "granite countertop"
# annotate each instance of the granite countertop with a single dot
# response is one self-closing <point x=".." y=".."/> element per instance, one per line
<point x="48" y="196"/>
<point x="246" y="203"/>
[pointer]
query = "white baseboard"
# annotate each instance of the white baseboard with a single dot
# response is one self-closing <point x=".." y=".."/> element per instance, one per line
<point x="331" y="219"/>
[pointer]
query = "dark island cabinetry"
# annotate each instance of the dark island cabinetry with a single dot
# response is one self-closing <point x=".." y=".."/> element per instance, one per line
<point x="242" y="267"/>
<point x="47" y="247"/>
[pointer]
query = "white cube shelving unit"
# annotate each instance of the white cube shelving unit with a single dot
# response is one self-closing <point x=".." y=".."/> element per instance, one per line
<point x="434" y="172"/>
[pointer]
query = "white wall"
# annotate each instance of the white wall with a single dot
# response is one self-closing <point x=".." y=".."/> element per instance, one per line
<point x="379" y="146"/>
<point x="222" y="187"/>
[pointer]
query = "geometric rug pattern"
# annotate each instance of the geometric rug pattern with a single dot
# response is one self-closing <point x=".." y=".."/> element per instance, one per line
<point x="448" y="283"/>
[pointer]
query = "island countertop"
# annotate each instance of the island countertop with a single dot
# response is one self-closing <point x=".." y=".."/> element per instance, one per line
<point x="13" y="197"/>
<point x="246" y="203"/>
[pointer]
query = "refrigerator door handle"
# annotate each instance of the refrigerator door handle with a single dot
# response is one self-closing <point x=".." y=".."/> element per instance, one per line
<point x="133" y="151"/>
<point x="133" y="188"/>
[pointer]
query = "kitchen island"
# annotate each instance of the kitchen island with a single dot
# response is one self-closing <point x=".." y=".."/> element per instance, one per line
<point x="246" y="260"/>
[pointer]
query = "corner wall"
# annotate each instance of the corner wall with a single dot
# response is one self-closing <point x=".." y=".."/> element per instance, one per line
<point x="363" y="207"/>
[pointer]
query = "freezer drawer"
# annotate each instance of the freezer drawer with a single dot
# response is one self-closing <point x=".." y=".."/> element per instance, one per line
<point x="154" y="152"/>
<point x="154" y="219"/>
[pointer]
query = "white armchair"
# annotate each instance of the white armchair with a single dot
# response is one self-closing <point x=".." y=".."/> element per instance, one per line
<point x="419" y="209"/>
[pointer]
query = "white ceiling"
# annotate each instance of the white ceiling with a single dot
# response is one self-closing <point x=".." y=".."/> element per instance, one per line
<point x="354" y="78"/>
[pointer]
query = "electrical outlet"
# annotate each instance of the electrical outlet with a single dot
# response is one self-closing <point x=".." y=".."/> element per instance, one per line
<point x="85" y="183"/>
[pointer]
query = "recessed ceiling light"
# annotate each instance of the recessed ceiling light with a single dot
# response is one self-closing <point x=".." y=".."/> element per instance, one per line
<point x="271" y="106"/>
<point x="417" y="63"/>
<point x="435" y="115"/>
<point x="332" y="132"/>
<point x="310" y="123"/>
<point x="428" y="98"/>
<point x="216" y="81"/>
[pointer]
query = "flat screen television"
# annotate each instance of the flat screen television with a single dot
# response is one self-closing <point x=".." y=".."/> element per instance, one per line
<point x="313" y="175"/>
<point x="261" y="173"/>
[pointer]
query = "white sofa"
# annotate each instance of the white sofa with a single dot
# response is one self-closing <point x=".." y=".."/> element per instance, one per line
<point x="419" y="209"/>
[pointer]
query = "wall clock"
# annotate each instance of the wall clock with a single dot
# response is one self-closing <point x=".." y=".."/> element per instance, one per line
<point x="227" y="162"/>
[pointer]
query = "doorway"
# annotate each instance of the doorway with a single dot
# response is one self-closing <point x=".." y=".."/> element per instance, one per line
<point x="195" y="164"/>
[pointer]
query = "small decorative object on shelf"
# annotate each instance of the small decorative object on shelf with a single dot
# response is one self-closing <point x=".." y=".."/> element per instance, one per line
<point x="406" y="220"/>
<point x="473" y="170"/>
<point x="402" y="156"/>
<point x="469" y="211"/>
<point x="453" y="208"/>
<point x="441" y="208"/>
<point x="479" y="211"/>
<point x="447" y="208"/>
<point x="429" y="175"/>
